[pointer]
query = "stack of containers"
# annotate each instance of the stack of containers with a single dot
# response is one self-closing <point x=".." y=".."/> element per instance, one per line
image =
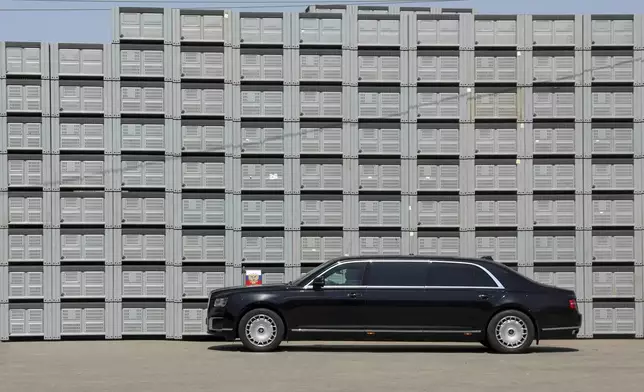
<point x="612" y="186"/>
<point x="79" y="272"/>
<point x="143" y="175"/>
<point x="203" y="145"/>
<point x="582" y="125"/>
<point x="204" y="141"/>
<point x="25" y="184"/>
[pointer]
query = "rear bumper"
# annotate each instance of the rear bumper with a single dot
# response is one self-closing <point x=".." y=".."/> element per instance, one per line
<point x="559" y="333"/>
<point x="564" y="329"/>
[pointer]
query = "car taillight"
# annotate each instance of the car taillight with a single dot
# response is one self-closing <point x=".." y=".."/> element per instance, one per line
<point x="572" y="304"/>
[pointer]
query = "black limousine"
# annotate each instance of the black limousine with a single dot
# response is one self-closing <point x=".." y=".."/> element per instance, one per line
<point x="399" y="298"/>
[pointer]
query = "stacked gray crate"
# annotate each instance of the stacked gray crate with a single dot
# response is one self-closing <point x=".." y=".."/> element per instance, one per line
<point x="25" y="219"/>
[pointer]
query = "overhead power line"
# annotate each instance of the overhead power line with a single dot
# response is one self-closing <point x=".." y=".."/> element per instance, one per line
<point x="319" y="125"/>
<point x="243" y="2"/>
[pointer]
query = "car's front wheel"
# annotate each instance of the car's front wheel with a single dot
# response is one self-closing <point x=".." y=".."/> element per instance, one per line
<point x="510" y="332"/>
<point x="261" y="330"/>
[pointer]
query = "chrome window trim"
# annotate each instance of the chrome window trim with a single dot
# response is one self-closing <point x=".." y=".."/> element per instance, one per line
<point x="499" y="285"/>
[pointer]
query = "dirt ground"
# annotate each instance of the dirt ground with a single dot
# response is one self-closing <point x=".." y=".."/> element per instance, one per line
<point x="179" y="366"/>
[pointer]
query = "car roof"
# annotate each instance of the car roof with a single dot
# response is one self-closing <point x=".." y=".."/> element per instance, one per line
<point x="403" y="258"/>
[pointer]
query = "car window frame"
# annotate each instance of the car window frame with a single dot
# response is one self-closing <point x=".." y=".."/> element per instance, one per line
<point x="499" y="285"/>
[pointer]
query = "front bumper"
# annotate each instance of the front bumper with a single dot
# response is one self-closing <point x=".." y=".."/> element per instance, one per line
<point x="221" y="327"/>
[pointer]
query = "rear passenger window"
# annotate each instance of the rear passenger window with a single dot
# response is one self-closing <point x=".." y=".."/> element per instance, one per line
<point x="458" y="275"/>
<point x="397" y="274"/>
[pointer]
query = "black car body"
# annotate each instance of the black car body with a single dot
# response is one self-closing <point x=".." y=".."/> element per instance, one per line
<point x="401" y="298"/>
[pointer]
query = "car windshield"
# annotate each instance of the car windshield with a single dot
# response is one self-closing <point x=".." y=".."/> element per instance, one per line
<point x="311" y="273"/>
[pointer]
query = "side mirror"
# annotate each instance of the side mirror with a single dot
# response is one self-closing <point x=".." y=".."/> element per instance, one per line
<point x="318" y="283"/>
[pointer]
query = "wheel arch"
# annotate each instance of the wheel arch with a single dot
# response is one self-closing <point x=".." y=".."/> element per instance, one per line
<point x="261" y="305"/>
<point x="520" y="308"/>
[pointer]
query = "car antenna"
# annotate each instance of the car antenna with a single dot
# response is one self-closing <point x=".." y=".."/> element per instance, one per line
<point x="487" y="258"/>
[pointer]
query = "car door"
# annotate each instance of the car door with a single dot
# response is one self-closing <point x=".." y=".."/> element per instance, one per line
<point x="461" y="296"/>
<point x="395" y="300"/>
<point x="336" y="307"/>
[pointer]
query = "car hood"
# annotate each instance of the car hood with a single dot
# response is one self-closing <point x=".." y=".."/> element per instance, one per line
<point x="248" y="289"/>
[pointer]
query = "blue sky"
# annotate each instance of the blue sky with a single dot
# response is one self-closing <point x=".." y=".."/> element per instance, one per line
<point x="95" y="26"/>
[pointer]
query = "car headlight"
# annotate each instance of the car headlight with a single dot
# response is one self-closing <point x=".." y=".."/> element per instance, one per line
<point x="220" y="302"/>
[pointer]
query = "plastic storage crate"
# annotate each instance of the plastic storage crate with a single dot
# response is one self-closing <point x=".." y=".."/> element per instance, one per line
<point x="614" y="318"/>
<point x="438" y="244"/>
<point x="555" y="67"/>
<point x="26" y="320"/>
<point x="501" y="211"/>
<point x="83" y="208"/>
<point x="612" y="246"/>
<point x="321" y="102"/>
<point x="613" y="139"/>
<point x="556" y="210"/>
<point x="24" y="96"/>
<point x="379" y="30"/>
<point x="380" y="211"/>
<point x="554" y="31"/>
<point x="144" y="208"/>
<point x="495" y="67"/>
<point x="317" y="247"/>
<point x="497" y="139"/>
<point x="321" y="210"/>
<point x="319" y="138"/>
<point x="23" y="134"/>
<point x="557" y="247"/>
<point x="433" y="66"/>
<point x="380" y="243"/>
<point x="495" y="175"/>
<point x="321" y="174"/>
<point x="26" y="208"/>
<point x="202" y="172"/>
<point x="616" y="282"/>
<point x="262" y="210"/>
<point x="139" y="135"/>
<point x="82" y="245"/>
<point x="379" y="66"/>
<point x="141" y="24"/>
<point x="25" y="282"/>
<point x="80" y="134"/>
<point x="262" y="247"/>
<point x="198" y="282"/>
<point x="262" y="101"/>
<point x="203" y="246"/>
<point x="26" y="245"/>
<point x="84" y="282"/>
<point x="262" y="64"/>
<point x="201" y="26"/>
<point x="144" y="318"/>
<point x="142" y="282"/>
<point x="496" y="30"/>
<point x="320" y="65"/>
<point x="612" y="102"/>
<point x="609" y="30"/>
<point x="204" y="136"/>
<point x="203" y="209"/>
<point x="502" y="246"/>
<point x="612" y="66"/>
<point x="147" y="246"/>
<point x="376" y="175"/>
<point x="79" y="319"/>
<point x="201" y="99"/>
<point x="80" y="60"/>
<point x="24" y="59"/>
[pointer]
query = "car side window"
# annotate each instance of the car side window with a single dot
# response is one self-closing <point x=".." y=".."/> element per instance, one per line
<point x="446" y="274"/>
<point x="350" y="274"/>
<point x="396" y="274"/>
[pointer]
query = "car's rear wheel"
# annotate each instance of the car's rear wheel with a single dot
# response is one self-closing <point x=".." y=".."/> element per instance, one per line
<point x="510" y="332"/>
<point x="261" y="330"/>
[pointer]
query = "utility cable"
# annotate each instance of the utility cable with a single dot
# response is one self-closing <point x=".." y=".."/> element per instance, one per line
<point x="468" y="95"/>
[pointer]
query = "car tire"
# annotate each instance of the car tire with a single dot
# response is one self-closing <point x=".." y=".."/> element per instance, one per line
<point x="510" y="332"/>
<point x="261" y="330"/>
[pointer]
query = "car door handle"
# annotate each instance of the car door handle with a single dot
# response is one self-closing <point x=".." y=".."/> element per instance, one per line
<point x="353" y="295"/>
<point x="483" y="296"/>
